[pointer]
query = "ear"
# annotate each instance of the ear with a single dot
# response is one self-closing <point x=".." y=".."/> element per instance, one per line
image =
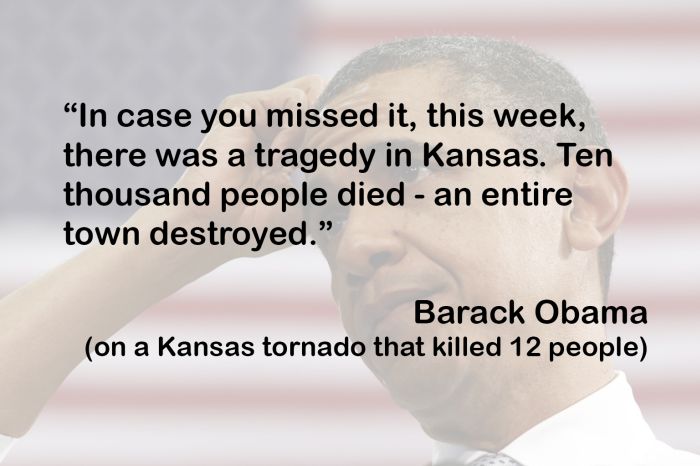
<point x="600" y="196"/>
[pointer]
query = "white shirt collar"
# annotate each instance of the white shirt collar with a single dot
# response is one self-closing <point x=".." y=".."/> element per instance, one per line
<point x="5" y="444"/>
<point x="448" y="453"/>
<point x="606" y="427"/>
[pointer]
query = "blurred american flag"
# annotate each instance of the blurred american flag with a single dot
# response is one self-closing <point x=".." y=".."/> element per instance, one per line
<point x="638" y="62"/>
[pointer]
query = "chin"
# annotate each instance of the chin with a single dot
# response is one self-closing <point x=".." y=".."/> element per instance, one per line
<point x="443" y="431"/>
<point x="448" y="423"/>
<point x="422" y="388"/>
<point x="435" y="396"/>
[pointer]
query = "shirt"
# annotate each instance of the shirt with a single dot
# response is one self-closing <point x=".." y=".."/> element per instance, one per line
<point x="5" y="444"/>
<point x="604" y="429"/>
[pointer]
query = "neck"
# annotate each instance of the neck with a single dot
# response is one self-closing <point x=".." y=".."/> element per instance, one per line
<point x="491" y="419"/>
<point x="560" y="388"/>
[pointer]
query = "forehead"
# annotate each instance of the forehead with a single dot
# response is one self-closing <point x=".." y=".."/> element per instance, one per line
<point x="414" y="86"/>
<point x="417" y="88"/>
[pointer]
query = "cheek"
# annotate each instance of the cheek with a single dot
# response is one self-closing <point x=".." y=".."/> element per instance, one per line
<point x="521" y="251"/>
<point x="490" y="249"/>
<point x="457" y="238"/>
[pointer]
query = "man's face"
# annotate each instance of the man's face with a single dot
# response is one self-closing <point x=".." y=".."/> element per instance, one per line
<point x="384" y="258"/>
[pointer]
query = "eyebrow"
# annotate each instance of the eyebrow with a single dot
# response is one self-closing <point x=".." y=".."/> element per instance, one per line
<point x="415" y="146"/>
<point x="395" y="143"/>
<point x="317" y="180"/>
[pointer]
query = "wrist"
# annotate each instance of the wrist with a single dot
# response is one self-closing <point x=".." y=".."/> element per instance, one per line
<point x="197" y="259"/>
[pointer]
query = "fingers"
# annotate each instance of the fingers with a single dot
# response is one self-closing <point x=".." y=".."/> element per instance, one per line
<point x="221" y="136"/>
<point x="283" y="97"/>
<point x="303" y="91"/>
<point x="311" y="85"/>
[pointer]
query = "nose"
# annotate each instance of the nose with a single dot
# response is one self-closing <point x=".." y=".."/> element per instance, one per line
<point x="367" y="245"/>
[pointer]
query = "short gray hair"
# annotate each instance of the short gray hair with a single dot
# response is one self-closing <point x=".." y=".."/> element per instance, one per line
<point x="517" y="72"/>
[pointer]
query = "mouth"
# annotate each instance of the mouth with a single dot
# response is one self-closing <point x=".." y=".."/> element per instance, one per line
<point x="371" y="314"/>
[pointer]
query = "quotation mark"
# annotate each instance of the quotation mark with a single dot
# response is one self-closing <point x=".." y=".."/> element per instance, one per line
<point x="325" y="225"/>
<point x="70" y="108"/>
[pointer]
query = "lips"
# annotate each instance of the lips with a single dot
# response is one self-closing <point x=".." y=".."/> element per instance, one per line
<point x="370" y="313"/>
